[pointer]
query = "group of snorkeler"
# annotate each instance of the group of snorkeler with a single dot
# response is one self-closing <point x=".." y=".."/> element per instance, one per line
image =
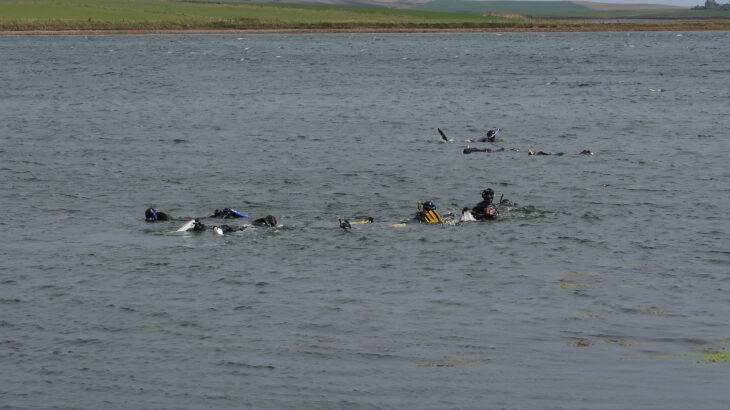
<point x="485" y="210"/>
<point x="491" y="136"/>
<point x="427" y="213"/>
<point x="469" y="150"/>
<point x="153" y="215"/>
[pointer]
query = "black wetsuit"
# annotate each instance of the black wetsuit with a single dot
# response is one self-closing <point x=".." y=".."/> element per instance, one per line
<point x="152" y="215"/>
<point x="225" y="213"/>
<point x="198" y="226"/>
<point x="420" y="217"/>
<point x="229" y="229"/>
<point x="491" y="136"/>
<point x="481" y="207"/>
<point x="345" y="224"/>
<point x="472" y="149"/>
<point x="480" y="210"/>
<point x="505" y="203"/>
<point x="584" y="152"/>
<point x="268" y="220"/>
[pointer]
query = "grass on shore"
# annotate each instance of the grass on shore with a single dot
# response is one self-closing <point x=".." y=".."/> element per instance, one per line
<point x="123" y="15"/>
<point x="120" y="15"/>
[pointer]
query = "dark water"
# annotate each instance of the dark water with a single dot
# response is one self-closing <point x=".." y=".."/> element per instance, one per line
<point x="605" y="288"/>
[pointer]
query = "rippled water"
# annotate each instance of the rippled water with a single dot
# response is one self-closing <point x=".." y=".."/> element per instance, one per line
<point x="605" y="288"/>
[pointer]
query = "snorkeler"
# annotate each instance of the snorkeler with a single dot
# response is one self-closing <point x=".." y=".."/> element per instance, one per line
<point x="428" y="214"/>
<point x="228" y="213"/>
<point x="198" y="226"/>
<point x="486" y="209"/>
<point x="152" y="215"/>
<point x="584" y="152"/>
<point x="469" y="150"/>
<point x="268" y="220"/>
<point x="491" y="135"/>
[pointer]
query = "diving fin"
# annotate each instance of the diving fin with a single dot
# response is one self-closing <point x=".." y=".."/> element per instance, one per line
<point x="187" y="226"/>
<point x="367" y="220"/>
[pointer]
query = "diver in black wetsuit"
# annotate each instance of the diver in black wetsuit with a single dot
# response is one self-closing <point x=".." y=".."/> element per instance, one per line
<point x="469" y="150"/>
<point x="198" y="226"/>
<point x="268" y="220"/>
<point x="584" y="152"/>
<point x="228" y="213"/>
<point x="491" y="136"/>
<point x="228" y="229"/>
<point x="152" y="215"/>
<point x="485" y="209"/>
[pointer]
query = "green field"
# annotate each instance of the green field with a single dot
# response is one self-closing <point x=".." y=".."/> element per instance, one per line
<point x="110" y="15"/>
<point x="507" y="7"/>
<point x="120" y="15"/>
<point x="558" y="9"/>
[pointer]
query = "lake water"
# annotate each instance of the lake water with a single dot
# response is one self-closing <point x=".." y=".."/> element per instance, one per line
<point x="607" y="287"/>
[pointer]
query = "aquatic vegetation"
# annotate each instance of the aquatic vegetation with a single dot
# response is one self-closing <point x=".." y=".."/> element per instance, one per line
<point x="720" y="357"/>
<point x="565" y="285"/>
<point x="711" y="356"/>
<point x="680" y="355"/>
<point x="580" y="343"/>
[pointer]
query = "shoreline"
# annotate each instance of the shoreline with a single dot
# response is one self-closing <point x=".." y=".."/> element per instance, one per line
<point x="598" y="27"/>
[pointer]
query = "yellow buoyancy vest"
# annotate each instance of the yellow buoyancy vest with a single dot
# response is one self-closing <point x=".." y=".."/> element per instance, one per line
<point x="433" y="217"/>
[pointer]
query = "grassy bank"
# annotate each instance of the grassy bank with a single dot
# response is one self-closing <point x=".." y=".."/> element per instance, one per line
<point x="120" y="15"/>
<point x="140" y="16"/>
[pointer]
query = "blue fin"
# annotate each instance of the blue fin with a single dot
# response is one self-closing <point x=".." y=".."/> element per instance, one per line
<point x="241" y="214"/>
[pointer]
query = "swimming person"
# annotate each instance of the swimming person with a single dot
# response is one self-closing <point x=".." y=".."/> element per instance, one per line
<point x="268" y="220"/>
<point x="221" y="229"/>
<point x="491" y="135"/>
<point x="152" y="215"/>
<point x="584" y="152"/>
<point x="228" y="213"/>
<point x="485" y="209"/>
<point x="469" y="150"/>
<point x="428" y="214"/>
<point x="198" y="226"/>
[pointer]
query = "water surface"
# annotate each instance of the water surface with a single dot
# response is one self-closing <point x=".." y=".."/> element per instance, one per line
<point x="600" y="290"/>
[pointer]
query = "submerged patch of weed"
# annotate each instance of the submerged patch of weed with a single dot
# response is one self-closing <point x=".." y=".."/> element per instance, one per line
<point x="720" y="357"/>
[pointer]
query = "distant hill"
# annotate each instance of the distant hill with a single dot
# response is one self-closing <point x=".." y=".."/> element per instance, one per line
<point x="391" y="4"/>
<point x="511" y="7"/>
<point x="475" y="6"/>
<point x="526" y="8"/>
<point x="617" y="6"/>
<point x="535" y="7"/>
